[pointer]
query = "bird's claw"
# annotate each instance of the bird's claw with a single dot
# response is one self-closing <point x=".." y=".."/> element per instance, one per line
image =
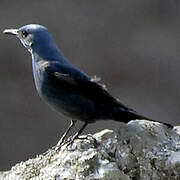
<point x="60" y="142"/>
<point x="86" y="137"/>
<point x="89" y="137"/>
<point x="71" y="139"/>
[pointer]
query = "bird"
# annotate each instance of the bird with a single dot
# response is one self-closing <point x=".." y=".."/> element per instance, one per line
<point x="67" y="89"/>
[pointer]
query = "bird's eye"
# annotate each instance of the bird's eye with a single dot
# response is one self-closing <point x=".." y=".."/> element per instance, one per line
<point x="24" y="34"/>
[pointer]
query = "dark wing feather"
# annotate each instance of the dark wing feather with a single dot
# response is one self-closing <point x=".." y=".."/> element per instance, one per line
<point x="89" y="89"/>
<point x="71" y="80"/>
<point x="74" y="81"/>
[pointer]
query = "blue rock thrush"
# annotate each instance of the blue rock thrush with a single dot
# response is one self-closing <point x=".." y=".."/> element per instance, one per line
<point x="64" y="87"/>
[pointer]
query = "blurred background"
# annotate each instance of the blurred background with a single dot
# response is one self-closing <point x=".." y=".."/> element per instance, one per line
<point x="132" y="44"/>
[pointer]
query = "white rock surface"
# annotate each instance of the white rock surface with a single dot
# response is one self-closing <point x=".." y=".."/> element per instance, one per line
<point x="140" y="150"/>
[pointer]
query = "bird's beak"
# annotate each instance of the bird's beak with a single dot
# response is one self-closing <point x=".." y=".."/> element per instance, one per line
<point x="11" y="32"/>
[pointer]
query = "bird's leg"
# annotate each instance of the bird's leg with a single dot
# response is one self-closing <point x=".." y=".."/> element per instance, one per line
<point x="77" y="134"/>
<point x="80" y="131"/>
<point x="67" y="132"/>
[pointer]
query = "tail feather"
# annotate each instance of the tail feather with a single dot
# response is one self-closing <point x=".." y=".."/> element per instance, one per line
<point x="127" y="115"/>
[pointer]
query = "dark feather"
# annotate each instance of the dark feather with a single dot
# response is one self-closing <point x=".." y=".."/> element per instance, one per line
<point x="85" y="87"/>
<point x="82" y="85"/>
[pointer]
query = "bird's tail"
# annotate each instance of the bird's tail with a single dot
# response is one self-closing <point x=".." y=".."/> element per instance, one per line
<point x="126" y="115"/>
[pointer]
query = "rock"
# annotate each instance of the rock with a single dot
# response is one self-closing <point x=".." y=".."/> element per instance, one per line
<point x="139" y="150"/>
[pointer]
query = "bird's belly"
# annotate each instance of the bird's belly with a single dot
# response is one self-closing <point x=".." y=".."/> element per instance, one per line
<point x="67" y="103"/>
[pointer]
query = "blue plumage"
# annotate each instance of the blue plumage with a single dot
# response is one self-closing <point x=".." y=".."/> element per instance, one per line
<point x="65" y="88"/>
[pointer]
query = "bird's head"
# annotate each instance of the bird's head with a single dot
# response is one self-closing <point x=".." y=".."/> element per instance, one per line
<point x="31" y="35"/>
<point x="36" y="38"/>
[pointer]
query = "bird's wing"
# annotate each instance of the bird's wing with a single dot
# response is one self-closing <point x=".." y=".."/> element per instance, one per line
<point x="73" y="80"/>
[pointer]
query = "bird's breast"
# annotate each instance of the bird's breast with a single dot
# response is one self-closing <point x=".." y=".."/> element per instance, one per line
<point x="38" y="76"/>
<point x="61" y="96"/>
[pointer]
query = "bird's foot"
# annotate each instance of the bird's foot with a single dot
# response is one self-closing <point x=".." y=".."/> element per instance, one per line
<point x="88" y="137"/>
<point x="71" y="139"/>
<point x="60" y="142"/>
<point x="59" y="145"/>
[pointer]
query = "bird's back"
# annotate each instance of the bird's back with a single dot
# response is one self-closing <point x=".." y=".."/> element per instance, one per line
<point x="73" y="93"/>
